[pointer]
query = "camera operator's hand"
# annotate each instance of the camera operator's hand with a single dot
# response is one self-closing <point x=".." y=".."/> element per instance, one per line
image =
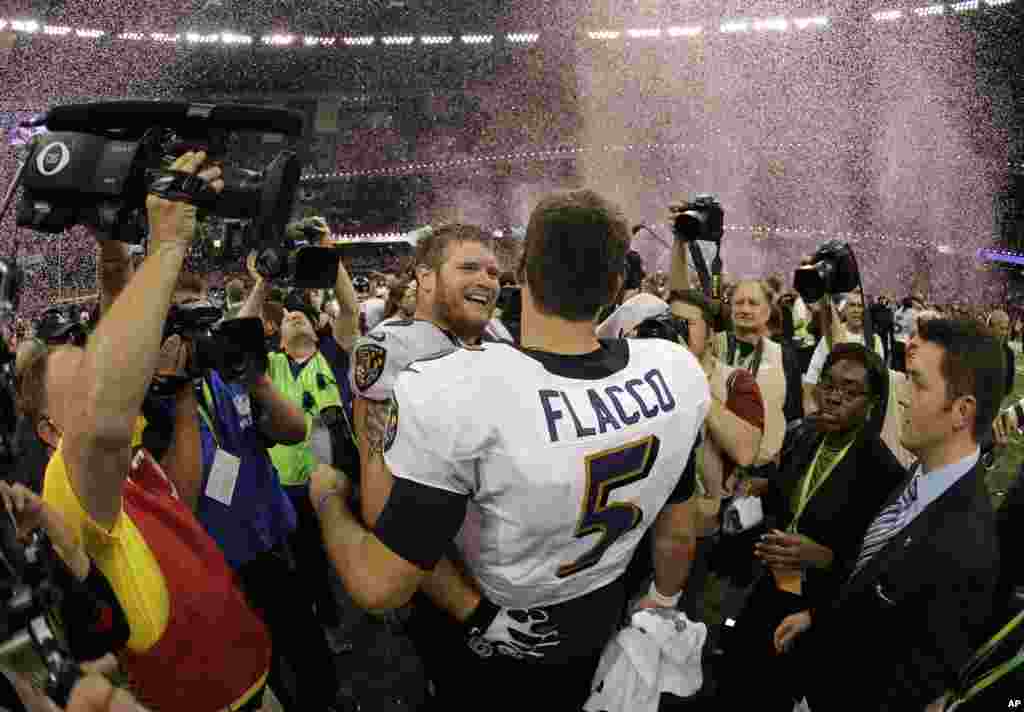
<point x="31" y="512"/>
<point x="175" y="221"/>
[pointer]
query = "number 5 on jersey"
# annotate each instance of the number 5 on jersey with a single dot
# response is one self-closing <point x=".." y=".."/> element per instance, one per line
<point x="606" y="471"/>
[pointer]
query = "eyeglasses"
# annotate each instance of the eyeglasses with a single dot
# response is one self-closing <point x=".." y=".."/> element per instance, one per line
<point x="845" y="392"/>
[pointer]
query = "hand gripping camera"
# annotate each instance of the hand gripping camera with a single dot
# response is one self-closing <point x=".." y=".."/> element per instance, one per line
<point x="97" y="163"/>
<point x="832" y="270"/>
<point x="234" y="348"/>
<point x="702" y="220"/>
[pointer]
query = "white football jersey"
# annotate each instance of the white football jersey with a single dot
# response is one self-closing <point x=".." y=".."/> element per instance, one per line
<point x="378" y="357"/>
<point x="567" y="460"/>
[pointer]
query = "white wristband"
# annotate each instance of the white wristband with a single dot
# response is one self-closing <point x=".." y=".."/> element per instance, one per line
<point x="662" y="600"/>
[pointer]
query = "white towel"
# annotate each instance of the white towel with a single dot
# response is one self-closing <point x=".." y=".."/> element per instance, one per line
<point x="660" y="651"/>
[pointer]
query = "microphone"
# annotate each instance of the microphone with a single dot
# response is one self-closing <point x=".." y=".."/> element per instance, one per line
<point x="135" y="117"/>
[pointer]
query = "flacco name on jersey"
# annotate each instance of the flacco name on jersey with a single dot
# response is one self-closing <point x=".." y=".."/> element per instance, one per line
<point x="593" y="411"/>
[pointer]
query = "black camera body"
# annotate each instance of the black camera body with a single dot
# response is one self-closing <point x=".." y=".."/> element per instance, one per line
<point x="233" y="348"/>
<point x="300" y="261"/>
<point x="833" y="270"/>
<point x="700" y="220"/>
<point x="32" y="586"/>
<point x="666" y="326"/>
<point x="98" y="162"/>
<point x="634" y="277"/>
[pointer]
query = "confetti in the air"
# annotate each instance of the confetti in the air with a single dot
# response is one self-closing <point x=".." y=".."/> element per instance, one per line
<point x="890" y="127"/>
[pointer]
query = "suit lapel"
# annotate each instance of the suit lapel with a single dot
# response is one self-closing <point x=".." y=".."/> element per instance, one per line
<point x="917" y="531"/>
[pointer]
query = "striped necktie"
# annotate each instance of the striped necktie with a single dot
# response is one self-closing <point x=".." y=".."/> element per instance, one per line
<point x="886" y="525"/>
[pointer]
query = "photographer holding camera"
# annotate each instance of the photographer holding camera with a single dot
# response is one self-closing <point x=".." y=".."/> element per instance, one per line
<point x="169" y="576"/>
<point x="311" y="372"/>
<point x="223" y="426"/>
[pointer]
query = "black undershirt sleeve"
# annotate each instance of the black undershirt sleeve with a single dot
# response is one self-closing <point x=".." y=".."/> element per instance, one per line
<point x="419" y="522"/>
<point x="687" y="484"/>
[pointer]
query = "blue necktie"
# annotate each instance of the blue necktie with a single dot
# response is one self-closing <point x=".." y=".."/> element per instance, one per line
<point x="886" y="525"/>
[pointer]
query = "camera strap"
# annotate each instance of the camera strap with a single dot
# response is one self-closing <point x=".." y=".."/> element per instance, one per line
<point x="179" y="186"/>
<point x="755" y="361"/>
<point x="204" y="401"/>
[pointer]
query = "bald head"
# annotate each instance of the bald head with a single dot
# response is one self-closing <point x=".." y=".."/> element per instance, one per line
<point x="999" y="323"/>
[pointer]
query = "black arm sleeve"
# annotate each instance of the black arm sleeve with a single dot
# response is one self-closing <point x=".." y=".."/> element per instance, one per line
<point x="687" y="483"/>
<point x="419" y="522"/>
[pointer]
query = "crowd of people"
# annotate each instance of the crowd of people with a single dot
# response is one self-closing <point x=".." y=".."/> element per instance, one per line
<point x="546" y="471"/>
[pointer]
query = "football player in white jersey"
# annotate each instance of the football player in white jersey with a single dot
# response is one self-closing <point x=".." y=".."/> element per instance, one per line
<point x="564" y="452"/>
<point x="457" y="290"/>
<point x="458" y="271"/>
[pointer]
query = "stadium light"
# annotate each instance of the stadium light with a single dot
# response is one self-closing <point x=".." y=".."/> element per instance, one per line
<point x="887" y="15"/>
<point x="802" y="23"/>
<point x="735" y="26"/>
<point x="774" y="24"/>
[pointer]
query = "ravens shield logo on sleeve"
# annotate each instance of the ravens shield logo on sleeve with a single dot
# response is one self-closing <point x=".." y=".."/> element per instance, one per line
<point x="369" y="364"/>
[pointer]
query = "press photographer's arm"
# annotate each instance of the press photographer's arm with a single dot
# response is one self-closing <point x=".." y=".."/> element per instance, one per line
<point x="107" y="382"/>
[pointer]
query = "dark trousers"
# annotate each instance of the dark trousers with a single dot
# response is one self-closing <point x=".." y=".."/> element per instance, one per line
<point x="754" y="675"/>
<point x="302" y="672"/>
<point x="461" y="678"/>
<point x="311" y="558"/>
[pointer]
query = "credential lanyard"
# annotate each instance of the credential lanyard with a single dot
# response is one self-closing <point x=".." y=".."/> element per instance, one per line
<point x="806" y="492"/>
<point x="202" y="399"/>
<point x="968" y="687"/>
<point x="755" y="362"/>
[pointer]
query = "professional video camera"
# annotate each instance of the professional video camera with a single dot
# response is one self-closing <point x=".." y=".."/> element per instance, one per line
<point x="700" y="219"/>
<point x="97" y="162"/>
<point x="666" y="326"/>
<point x="233" y="348"/>
<point x="832" y="270"/>
<point x="301" y="262"/>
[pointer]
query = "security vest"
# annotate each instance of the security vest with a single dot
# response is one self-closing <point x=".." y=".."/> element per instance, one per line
<point x="314" y="390"/>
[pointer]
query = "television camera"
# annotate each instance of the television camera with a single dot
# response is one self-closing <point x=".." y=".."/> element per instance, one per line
<point x="96" y="163"/>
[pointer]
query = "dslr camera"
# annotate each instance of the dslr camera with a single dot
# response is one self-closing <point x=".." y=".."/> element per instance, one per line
<point x="233" y="348"/>
<point x="831" y="270"/>
<point x="96" y="163"/>
<point x="666" y="326"/>
<point x="700" y="220"/>
<point x="634" y="277"/>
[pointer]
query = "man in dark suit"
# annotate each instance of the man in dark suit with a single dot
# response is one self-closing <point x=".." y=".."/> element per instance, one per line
<point x="923" y="586"/>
